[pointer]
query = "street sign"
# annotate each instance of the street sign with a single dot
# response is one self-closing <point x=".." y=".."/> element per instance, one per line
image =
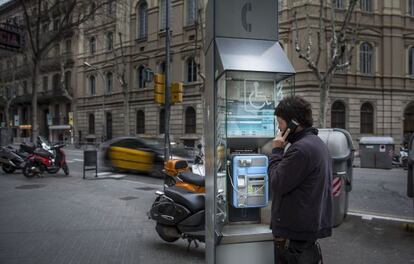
<point x="10" y="37"/>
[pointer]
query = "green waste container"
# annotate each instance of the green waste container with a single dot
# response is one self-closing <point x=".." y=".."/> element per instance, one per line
<point x="376" y="152"/>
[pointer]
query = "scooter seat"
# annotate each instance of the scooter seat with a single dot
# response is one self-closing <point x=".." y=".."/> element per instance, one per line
<point x="193" y="201"/>
<point x="43" y="153"/>
<point x="192" y="178"/>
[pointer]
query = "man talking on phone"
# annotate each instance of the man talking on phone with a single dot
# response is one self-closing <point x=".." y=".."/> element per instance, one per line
<point x="301" y="184"/>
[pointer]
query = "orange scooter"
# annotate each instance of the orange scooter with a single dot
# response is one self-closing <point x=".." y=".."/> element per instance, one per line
<point x="178" y="174"/>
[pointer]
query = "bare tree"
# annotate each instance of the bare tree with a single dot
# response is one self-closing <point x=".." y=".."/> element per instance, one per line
<point x="67" y="16"/>
<point x="339" y="38"/>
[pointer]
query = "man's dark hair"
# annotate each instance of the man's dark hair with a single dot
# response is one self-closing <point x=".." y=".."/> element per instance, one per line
<point x="297" y="108"/>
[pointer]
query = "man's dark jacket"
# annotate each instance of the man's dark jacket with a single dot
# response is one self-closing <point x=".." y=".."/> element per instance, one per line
<point x="301" y="183"/>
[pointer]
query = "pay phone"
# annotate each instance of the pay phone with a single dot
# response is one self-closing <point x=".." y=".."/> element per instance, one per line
<point x="249" y="181"/>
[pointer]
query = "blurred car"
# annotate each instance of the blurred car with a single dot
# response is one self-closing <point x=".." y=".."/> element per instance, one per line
<point x="139" y="155"/>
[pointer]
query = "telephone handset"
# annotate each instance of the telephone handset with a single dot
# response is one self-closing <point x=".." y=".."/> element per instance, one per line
<point x="292" y="125"/>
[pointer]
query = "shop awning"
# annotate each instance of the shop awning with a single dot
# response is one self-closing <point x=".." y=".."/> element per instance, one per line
<point x="25" y="127"/>
<point x="253" y="56"/>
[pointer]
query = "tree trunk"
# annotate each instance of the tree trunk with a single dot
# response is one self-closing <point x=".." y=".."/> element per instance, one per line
<point x="324" y="94"/>
<point x="126" y="110"/>
<point x="35" y="126"/>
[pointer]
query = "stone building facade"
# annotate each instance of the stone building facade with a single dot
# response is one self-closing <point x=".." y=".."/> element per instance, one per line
<point x="375" y="95"/>
<point x="136" y="29"/>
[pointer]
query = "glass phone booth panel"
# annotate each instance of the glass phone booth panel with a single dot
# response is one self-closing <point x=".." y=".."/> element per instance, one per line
<point x="245" y="126"/>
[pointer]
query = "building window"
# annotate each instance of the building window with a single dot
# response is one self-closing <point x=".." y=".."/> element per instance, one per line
<point x="191" y="70"/>
<point x="191" y="12"/>
<point x="56" y="23"/>
<point x="57" y="50"/>
<point x="411" y="61"/>
<point x="141" y="77"/>
<point x="411" y="7"/>
<point x="109" y="82"/>
<point x="68" y="46"/>
<point x="92" y="85"/>
<point x="161" y="67"/>
<point x="366" y="5"/>
<point x="338" y="115"/>
<point x="190" y="120"/>
<point x="92" y="45"/>
<point x="92" y="11"/>
<point x="162" y="121"/>
<point x="24" y="87"/>
<point x="56" y="82"/>
<point x="91" y="124"/>
<point x="367" y="119"/>
<point x="45" y="83"/>
<point x="339" y="4"/>
<point x="68" y="80"/>
<point x="366" y="58"/>
<point x="163" y="20"/>
<point x="140" y="122"/>
<point x="110" y="7"/>
<point x="142" y="20"/>
<point x="109" y="41"/>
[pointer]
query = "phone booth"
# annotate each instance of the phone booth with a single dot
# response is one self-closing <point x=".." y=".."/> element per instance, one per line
<point x="247" y="74"/>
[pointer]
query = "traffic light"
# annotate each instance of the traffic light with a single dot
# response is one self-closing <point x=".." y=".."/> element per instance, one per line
<point x="177" y="91"/>
<point x="159" y="88"/>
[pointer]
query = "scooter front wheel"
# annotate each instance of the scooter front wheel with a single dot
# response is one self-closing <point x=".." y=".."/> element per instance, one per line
<point x="30" y="170"/>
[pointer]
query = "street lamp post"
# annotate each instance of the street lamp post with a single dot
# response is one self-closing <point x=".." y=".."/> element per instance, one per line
<point x="87" y="64"/>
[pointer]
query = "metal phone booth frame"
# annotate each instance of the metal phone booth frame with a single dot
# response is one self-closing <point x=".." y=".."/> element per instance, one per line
<point x="246" y="70"/>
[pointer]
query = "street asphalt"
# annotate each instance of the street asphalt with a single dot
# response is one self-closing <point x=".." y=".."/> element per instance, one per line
<point x="59" y="219"/>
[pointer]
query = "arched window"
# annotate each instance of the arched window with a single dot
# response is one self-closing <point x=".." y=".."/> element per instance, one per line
<point x="109" y="82"/>
<point x="162" y="14"/>
<point x="162" y="121"/>
<point x="142" y="20"/>
<point x="140" y="122"/>
<point x="366" y="5"/>
<point x="91" y="122"/>
<point x="191" y="70"/>
<point x="140" y="77"/>
<point x="338" y="115"/>
<point x="191" y="12"/>
<point x="366" y="55"/>
<point x="92" y="85"/>
<point x="367" y="118"/>
<point x="411" y="61"/>
<point x="190" y="120"/>
<point x="109" y="41"/>
<point x="92" y="45"/>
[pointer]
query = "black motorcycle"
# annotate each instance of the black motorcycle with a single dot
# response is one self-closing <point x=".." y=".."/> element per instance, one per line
<point x="12" y="159"/>
<point x="179" y="213"/>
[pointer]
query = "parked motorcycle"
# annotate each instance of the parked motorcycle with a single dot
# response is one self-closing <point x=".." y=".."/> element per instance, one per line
<point x="12" y="159"/>
<point x="46" y="158"/>
<point x="401" y="159"/>
<point x="179" y="210"/>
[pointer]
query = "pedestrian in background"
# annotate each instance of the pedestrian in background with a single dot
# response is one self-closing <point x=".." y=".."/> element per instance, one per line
<point x="301" y="183"/>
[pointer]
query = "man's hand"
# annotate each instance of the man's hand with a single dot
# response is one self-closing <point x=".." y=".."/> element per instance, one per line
<point x="280" y="140"/>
